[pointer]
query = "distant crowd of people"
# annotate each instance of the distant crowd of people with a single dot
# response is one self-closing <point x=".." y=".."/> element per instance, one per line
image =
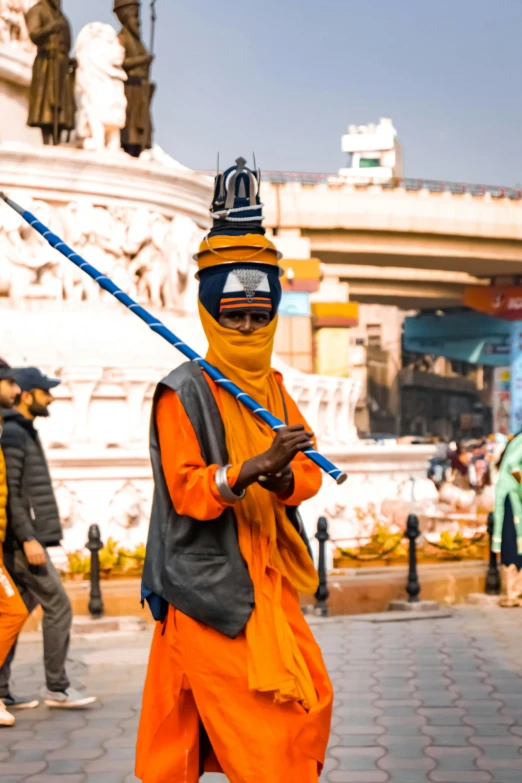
<point x="29" y="526"/>
<point x="471" y="464"/>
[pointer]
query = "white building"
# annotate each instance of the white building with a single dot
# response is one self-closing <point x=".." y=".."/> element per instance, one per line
<point x="375" y="153"/>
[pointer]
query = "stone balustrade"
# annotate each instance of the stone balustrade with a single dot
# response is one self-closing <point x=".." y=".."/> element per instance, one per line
<point x="97" y="443"/>
<point x="328" y="404"/>
<point x="109" y="408"/>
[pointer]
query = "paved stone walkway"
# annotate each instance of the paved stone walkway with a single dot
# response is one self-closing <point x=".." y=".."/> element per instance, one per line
<point x="435" y="701"/>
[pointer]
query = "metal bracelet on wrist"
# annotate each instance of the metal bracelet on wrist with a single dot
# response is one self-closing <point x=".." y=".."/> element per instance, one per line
<point x="224" y="488"/>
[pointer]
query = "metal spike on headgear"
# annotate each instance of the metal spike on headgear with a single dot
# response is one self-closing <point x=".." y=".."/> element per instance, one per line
<point x="258" y="174"/>
<point x="236" y="206"/>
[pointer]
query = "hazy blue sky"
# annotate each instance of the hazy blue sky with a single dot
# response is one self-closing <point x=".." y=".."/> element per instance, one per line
<point x="286" y="77"/>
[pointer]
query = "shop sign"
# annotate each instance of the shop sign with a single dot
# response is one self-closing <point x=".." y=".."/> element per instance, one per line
<point x="498" y="301"/>
<point x="295" y="304"/>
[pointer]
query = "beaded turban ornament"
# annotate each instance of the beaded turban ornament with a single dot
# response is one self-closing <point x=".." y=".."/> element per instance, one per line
<point x="238" y="264"/>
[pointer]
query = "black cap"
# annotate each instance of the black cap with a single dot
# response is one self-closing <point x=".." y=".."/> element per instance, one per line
<point x="29" y="378"/>
<point x="6" y="371"/>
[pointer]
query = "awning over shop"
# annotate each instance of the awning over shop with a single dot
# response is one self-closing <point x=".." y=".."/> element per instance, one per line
<point x="465" y="336"/>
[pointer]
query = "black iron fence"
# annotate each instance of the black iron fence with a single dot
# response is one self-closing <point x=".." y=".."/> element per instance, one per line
<point x="94" y="544"/>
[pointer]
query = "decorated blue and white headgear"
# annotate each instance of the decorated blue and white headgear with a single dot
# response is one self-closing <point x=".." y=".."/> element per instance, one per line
<point x="238" y="264"/>
<point x="237" y="233"/>
<point x="236" y="207"/>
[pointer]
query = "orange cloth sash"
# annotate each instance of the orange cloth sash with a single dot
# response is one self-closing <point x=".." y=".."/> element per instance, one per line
<point x="270" y="544"/>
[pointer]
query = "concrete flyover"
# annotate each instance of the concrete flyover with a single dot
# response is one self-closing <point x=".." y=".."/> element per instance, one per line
<point x="411" y="243"/>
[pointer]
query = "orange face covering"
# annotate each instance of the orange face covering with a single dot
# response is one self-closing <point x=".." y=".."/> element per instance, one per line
<point x="270" y="544"/>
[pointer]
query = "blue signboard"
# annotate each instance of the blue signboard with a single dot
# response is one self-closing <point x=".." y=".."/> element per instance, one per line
<point x="295" y="303"/>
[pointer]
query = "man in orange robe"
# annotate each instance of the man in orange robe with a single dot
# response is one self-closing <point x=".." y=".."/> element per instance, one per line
<point x="236" y="682"/>
<point x="13" y="613"/>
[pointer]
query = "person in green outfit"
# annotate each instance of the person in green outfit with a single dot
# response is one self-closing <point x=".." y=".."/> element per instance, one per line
<point x="507" y="531"/>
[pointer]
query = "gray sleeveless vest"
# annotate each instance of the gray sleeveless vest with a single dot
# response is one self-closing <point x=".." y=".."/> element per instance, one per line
<point x="196" y="566"/>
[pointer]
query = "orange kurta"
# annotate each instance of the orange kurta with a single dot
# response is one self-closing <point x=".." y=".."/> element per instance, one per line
<point x="13" y="612"/>
<point x="197" y="674"/>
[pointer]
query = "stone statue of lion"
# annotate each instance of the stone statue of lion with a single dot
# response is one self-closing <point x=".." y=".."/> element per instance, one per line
<point x="100" y="92"/>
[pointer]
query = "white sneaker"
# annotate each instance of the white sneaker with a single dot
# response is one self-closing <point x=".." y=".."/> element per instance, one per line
<point x="70" y="699"/>
<point x="6" y="719"/>
<point x="19" y="702"/>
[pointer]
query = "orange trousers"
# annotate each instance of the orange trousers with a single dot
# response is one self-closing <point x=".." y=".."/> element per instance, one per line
<point x="13" y="613"/>
<point x="198" y="677"/>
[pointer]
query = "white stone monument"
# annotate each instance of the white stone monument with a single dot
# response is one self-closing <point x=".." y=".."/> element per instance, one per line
<point x="139" y="221"/>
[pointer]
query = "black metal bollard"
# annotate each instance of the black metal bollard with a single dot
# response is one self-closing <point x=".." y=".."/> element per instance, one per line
<point x="493" y="575"/>
<point x="94" y="544"/>
<point x="322" y="594"/>
<point x="412" y="533"/>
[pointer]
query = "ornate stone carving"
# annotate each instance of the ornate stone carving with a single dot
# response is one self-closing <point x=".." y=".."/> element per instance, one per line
<point x="149" y="266"/>
<point x="73" y="515"/>
<point x="328" y="404"/>
<point x="128" y="516"/>
<point x="148" y="255"/>
<point x="13" y="29"/>
<point x="28" y="265"/>
<point x="70" y="506"/>
<point x="100" y="94"/>
<point x="181" y="241"/>
<point x="99" y="235"/>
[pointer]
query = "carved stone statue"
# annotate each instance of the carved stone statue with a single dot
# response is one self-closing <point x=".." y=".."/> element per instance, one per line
<point x="137" y="134"/>
<point x="148" y="265"/>
<point x="51" y="103"/>
<point x="148" y="255"/>
<point x="29" y="268"/>
<point x="127" y="523"/>
<point x="181" y="241"/>
<point x="99" y="90"/>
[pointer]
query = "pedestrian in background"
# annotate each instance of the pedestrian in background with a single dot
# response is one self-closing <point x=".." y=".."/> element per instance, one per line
<point x="34" y="526"/>
<point x="13" y="613"/>
<point x="507" y="533"/>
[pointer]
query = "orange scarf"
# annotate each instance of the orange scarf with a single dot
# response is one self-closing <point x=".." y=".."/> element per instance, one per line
<point x="268" y="541"/>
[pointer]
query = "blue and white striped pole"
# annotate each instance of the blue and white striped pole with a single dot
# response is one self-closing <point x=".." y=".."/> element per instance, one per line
<point x="160" y="328"/>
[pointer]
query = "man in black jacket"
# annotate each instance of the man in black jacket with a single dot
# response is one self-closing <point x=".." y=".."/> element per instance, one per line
<point x="33" y="525"/>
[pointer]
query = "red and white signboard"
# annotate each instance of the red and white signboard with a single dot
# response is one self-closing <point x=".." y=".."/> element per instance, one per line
<point x="499" y="301"/>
